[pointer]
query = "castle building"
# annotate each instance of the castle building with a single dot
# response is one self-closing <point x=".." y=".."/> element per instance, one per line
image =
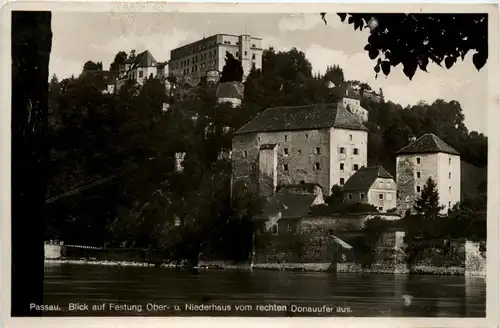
<point x="322" y="144"/>
<point x="427" y="156"/>
<point x="371" y="185"/>
<point x="191" y="62"/>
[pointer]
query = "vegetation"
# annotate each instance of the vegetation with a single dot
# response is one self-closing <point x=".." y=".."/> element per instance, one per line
<point x="414" y="40"/>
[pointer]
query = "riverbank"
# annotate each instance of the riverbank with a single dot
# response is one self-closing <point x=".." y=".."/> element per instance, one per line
<point x="303" y="267"/>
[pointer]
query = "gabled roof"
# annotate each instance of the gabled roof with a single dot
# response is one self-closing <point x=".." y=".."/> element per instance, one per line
<point x="428" y="143"/>
<point x="291" y="206"/>
<point x="144" y="59"/>
<point x="364" y="178"/>
<point x="303" y="118"/>
<point x="230" y="90"/>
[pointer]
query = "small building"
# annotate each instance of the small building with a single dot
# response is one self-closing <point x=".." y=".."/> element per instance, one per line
<point x="139" y="68"/>
<point x="322" y="144"/>
<point x="230" y="92"/>
<point x="352" y="101"/>
<point x="371" y="185"/>
<point x="424" y="158"/>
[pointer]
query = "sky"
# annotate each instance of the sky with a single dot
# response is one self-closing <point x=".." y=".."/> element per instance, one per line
<point x="79" y="37"/>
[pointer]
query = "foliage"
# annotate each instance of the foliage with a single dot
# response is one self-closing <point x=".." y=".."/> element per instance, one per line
<point x="341" y="208"/>
<point x="91" y="66"/>
<point x="414" y="40"/>
<point x="427" y="204"/>
<point x="120" y="57"/>
<point x="336" y="196"/>
<point x="232" y="70"/>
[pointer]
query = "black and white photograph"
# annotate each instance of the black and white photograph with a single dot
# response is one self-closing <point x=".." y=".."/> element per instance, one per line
<point x="229" y="162"/>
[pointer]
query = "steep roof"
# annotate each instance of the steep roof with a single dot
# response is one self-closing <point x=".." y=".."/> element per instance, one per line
<point x="144" y="59"/>
<point x="365" y="177"/>
<point x="230" y="90"/>
<point x="428" y="143"/>
<point x="303" y="118"/>
<point x="291" y="206"/>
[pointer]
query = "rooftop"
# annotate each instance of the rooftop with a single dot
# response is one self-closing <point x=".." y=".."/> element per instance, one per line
<point x="303" y="118"/>
<point x="230" y="90"/>
<point x="364" y="178"/>
<point x="428" y="143"/>
<point x="144" y="59"/>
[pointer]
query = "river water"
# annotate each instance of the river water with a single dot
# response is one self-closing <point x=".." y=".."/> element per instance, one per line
<point x="117" y="291"/>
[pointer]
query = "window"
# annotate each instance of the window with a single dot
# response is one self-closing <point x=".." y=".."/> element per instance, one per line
<point x="285" y="151"/>
<point x="285" y="167"/>
<point x="253" y="45"/>
<point x="342" y="180"/>
<point x="342" y="150"/>
<point x="316" y="166"/>
<point x="418" y="160"/>
<point x="418" y="175"/>
<point x="286" y="138"/>
<point x="449" y="161"/>
<point x="299" y="152"/>
<point x="361" y="195"/>
<point x="388" y="184"/>
<point x="449" y="190"/>
<point x="350" y="137"/>
<point x="258" y="138"/>
<point x="418" y="188"/>
<point x="141" y="73"/>
<point x="253" y="56"/>
<point x="317" y="151"/>
<point x="342" y="166"/>
<point x="275" y="229"/>
<point x="307" y="136"/>
<point x="449" y="175"/>
<point x="380" y="196"/>
<point x="245" y="154"/>
<point x="355" y="151"/>
<point x="349" y="196"/>
<point x="380" y="208"/>
<point x="246" y="53"/>
<point x="355" y="167"/>
<point x="302" y="182"/>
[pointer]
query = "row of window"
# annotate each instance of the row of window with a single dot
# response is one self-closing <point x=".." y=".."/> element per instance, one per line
<point x="342" y="150"/>
<point x="316" y="167"/>
<point x="200" y="47"/>
<point x="419" y="189"/>
<point x="307" y="137"/>
<point x="449" y="160"/>
<point x="380" y="196"/>
<point x="419" y="175"/>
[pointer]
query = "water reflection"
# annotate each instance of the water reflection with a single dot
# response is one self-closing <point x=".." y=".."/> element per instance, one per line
<point x="365" y="295"/>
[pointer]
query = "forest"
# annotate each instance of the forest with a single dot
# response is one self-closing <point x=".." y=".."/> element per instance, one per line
<point x="124" y="146"/>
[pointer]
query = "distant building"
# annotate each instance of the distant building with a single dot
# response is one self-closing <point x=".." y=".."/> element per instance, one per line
<point x="322" y="144"/>
<point x="428" y="156"/>
<point x="139" y="68"/>
<point x="371" y="185"/>
<point x="230" y="92"/>
<point x="191" y="62"/>
<point x="352" y="101"/>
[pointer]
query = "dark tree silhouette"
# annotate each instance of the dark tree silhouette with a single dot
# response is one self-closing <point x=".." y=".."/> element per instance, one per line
<point x="232" y="71"/>
<point x="91" y="66"/>
<point x="119" y="59"/>
<point x="428" y="203"/>
<point x="31" y="46"/>
<point x="415" y="39"/>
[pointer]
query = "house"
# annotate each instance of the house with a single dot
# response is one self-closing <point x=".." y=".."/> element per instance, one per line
<point x="230" y="92"/>
<point x="288" y="206"/>
<point x="428" y="156"/>
<point x="352" y="101"/>
<point x="371" y="185"/>
<point x="139" y="68"/>
<point x="322" y="144"/>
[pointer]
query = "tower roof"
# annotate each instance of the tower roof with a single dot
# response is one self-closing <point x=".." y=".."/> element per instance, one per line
<point x="144" y="59"/>
<point x="365" y="177"/>
<point x="303" y="118"/>
<point x="428" y="143"/>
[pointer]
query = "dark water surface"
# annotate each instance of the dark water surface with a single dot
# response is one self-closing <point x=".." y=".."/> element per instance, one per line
<point x="143" y="291"/>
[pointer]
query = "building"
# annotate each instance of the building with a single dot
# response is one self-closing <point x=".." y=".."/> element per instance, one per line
<point x="322" y="144"/>
<point x="428" y="156"/>
<point x="352" y="101"/>
<point x="140" y="67"/>
<point x="191" y="62"/>
<point x="371" y="185"/>
<point x="230" y="92"/>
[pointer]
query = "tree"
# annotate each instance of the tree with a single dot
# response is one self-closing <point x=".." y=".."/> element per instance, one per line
<point x="232" y="70"/>
<point x="415" y="39"/>
<point x="427" y="204"/>
<point x="31" y="46"/>
<point x="120" y="57"/>
<point x="336" y="196"/>
<point x="92" y="67"/>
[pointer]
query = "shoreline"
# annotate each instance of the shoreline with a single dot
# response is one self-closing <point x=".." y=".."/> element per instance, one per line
<point x="303" y="267"/>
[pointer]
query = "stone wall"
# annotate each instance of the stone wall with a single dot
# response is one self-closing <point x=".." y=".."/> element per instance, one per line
<point x="475" y="258"/>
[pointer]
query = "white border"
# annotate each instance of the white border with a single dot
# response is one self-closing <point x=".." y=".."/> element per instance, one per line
<point x="143" y="6"/>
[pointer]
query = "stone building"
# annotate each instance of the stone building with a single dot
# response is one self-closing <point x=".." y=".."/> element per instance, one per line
<point x="139" y="68"/>
<point x="191" y="62"/>
<point x="371" y="185"/>
<point x="322" y="144"/>
<point x="427" y="156"/>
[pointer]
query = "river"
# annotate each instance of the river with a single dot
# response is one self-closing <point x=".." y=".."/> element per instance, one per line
<point x="117" y="291"/>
